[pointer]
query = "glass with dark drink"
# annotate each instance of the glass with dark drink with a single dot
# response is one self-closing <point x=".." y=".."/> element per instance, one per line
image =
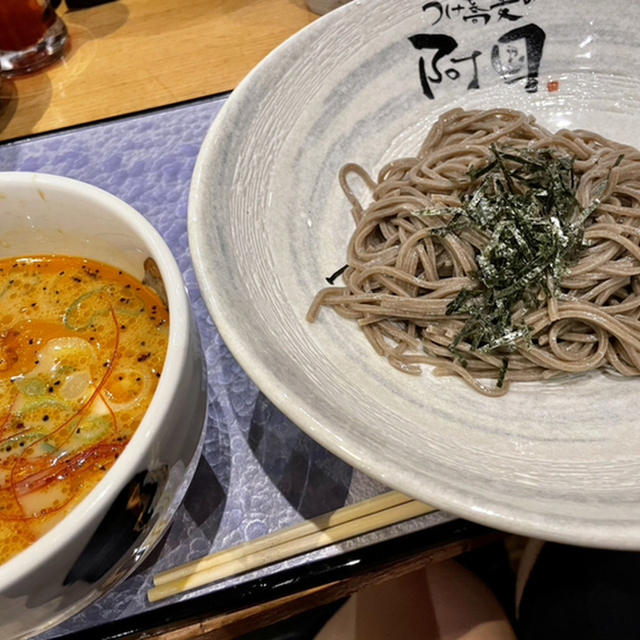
<point x="32" y="36"/>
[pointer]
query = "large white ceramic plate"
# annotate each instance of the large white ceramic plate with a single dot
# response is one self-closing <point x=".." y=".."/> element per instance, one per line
<point x="268" y="222"/>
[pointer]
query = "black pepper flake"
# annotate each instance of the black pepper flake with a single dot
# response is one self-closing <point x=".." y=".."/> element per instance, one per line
<point x="143" y="357"/>
<point x="91" y="273"/>
<point x="45" y="418"/>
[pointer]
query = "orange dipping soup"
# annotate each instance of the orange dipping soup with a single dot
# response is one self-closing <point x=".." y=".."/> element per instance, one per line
<point x="82" y="346"/>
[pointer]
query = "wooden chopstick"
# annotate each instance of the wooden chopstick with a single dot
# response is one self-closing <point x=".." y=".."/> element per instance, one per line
<point x="320" y="523"/>
<point x="342" y="524"/>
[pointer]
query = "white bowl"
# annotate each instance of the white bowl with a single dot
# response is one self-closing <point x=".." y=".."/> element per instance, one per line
<point x="101" y="541"/>
<point x="268" y="222"/>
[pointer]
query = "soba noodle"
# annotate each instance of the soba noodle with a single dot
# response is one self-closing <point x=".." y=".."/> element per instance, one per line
<point x="402" y="275"/>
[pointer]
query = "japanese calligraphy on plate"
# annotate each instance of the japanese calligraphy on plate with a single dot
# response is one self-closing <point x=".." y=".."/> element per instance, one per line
<point x="515" y="54"/>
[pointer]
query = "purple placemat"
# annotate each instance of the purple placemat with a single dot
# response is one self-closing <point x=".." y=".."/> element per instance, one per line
<point x="258" y="472"/>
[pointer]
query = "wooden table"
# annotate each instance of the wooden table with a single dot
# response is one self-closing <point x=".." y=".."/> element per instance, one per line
<point x="132" y="55"/>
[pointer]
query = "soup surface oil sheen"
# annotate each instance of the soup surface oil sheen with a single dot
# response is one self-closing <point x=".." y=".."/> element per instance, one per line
<point x="82" y="346"/>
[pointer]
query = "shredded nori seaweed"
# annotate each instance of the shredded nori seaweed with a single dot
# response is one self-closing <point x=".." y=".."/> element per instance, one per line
<point x="524" y="200"/>
<point x="336" y="274"/>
